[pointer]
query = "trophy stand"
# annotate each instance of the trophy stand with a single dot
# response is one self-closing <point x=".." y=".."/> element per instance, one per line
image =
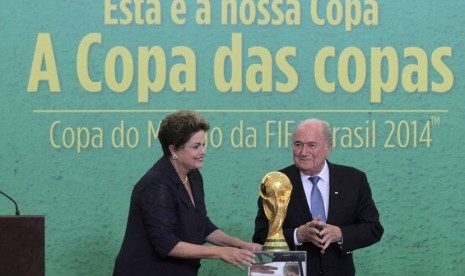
<point x="281" y="263"/>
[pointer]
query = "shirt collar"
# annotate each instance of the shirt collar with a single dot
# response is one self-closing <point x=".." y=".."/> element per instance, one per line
<point x="324" y="174"/>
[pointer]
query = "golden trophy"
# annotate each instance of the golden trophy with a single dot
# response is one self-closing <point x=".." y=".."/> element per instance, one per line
<point x="275" y="191"/>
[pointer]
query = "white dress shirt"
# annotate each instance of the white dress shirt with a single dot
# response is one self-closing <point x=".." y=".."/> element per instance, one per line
<point x="323" y="186"/>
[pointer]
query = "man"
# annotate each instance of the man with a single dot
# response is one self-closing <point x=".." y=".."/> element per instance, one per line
<point x="348" y="218"/>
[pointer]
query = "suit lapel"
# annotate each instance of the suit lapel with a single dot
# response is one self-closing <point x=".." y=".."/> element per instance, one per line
<point x="170" y="172"/>
<point x="335" y="185"/>
<point x="185" y="197"/>
<point x="300" y="207"/>
<point x="196" y="190"/>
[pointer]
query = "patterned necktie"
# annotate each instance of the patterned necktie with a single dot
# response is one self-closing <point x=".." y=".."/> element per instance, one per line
<point x="316" y="199"/>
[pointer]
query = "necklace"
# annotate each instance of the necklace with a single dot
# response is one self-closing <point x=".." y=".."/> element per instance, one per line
<point x="185" y="181"/>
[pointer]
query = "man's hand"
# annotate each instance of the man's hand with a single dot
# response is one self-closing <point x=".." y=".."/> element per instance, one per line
<point x="330" y="234"/>
<point x="319" y="233"/>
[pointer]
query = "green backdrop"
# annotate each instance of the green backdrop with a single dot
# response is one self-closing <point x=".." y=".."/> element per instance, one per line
<point x="84" y="85"/>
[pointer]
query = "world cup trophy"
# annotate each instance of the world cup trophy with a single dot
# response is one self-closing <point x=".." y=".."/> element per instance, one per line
<point x="275" y="191"/>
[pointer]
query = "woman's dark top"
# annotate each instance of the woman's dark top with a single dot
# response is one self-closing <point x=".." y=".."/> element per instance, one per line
<point x="161" y="214"/>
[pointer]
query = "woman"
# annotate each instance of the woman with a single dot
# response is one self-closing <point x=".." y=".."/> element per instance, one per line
<point x="168" y="224"/>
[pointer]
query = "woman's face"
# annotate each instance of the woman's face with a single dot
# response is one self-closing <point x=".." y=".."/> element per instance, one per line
<point x="191" y="154"/>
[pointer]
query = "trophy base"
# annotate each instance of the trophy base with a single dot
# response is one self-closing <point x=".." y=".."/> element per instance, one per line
<point x="275" y="245"/>
<point x="279" y="263"/>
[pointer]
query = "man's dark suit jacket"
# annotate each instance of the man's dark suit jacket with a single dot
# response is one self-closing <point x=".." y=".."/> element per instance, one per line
<point x="351" y="208"/>
<point x="161" y="214"/>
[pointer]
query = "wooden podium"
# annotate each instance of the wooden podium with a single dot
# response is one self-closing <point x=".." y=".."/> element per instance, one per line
<point x="22" y="245"/>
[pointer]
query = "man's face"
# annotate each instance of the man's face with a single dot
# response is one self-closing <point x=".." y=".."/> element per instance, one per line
<point x="309" y="148"/>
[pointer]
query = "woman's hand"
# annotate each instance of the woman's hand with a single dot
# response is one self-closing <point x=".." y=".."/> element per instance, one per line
<point x="254" y="247"/>
<point x="236" y="256"/>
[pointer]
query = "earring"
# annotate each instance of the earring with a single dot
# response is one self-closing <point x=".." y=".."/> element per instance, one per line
<point x="175" y="156"/>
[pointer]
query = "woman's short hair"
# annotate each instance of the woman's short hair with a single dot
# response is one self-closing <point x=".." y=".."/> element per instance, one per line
<point x="177" y="128"/>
